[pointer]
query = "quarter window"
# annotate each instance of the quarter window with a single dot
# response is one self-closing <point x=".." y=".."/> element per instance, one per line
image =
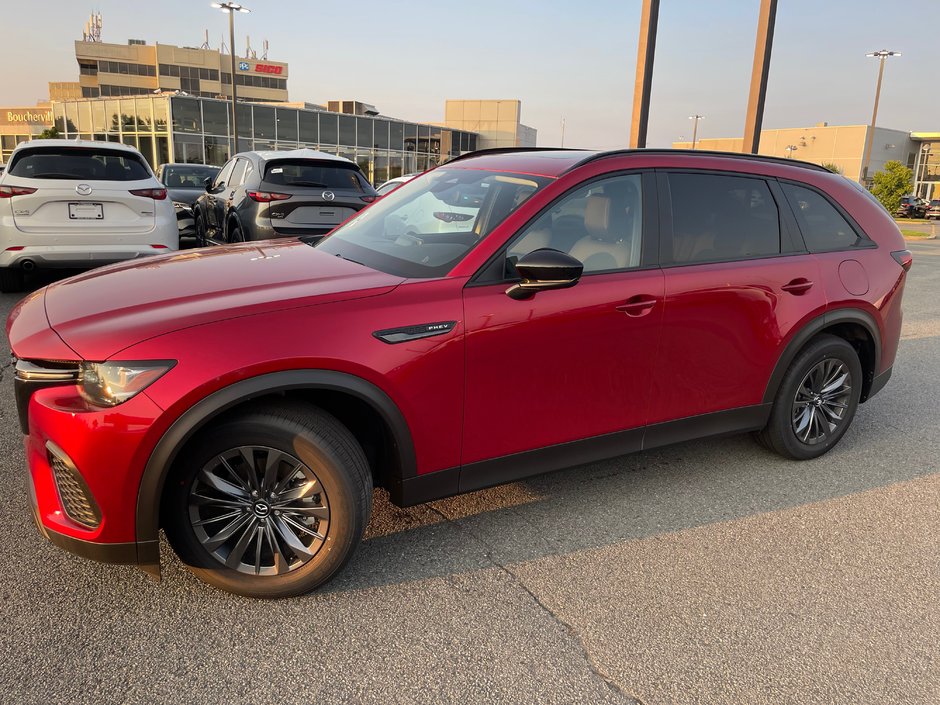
<point x="716" y="217"/>
<point x="600" y="224"/>
<point x="823" y="227"/>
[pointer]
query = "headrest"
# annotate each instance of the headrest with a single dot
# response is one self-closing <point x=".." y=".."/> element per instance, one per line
<point x="597" y="217"/>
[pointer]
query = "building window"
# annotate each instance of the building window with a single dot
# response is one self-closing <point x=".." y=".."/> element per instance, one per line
<point x="186" y="117"/>
<point x="88" y="68"/>
<point x="347" y="130"/>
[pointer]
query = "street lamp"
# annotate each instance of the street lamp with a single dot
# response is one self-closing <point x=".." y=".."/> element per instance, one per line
<point x="695" y="118"/>
<point x="231" y="8"/>
<point x="790" y="149"/>
<point x="882" y="55"/>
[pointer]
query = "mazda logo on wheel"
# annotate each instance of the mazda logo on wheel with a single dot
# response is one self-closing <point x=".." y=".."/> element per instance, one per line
<point x="328" y="196"/>
<point x="83" y="190"/>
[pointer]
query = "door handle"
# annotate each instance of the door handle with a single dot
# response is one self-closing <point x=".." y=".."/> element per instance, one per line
<point x="638" y="305"/>
<point x="798" y="286"/>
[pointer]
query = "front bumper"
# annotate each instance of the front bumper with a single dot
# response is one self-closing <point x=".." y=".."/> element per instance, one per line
<point x="106" y="449"/>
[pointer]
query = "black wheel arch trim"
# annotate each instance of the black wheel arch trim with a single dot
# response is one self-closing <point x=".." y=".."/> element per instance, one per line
<point x="813" y="328"/>
<point x="164" y="453"/>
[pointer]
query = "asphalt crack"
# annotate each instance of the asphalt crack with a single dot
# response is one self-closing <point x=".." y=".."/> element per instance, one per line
<point x="592" y="665"/>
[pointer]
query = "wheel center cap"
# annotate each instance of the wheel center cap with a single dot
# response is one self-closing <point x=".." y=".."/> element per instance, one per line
<point x="262" y="509"/>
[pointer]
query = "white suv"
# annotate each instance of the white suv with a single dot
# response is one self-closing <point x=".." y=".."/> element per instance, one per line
<point x="79" y="204"/>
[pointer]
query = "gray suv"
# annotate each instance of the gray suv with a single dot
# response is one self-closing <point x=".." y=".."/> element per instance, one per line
<point x="262" y="195"/>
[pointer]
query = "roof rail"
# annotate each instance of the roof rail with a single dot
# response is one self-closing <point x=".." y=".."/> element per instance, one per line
<point x="705" y="152"/>
<point x="510" y="150"/>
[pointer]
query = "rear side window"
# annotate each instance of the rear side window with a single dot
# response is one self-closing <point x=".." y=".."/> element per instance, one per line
<point x="823" y="227"/>
<point x="78" y="164"/>
<point x="717" y="217"/>
<point x="315" y="174"/>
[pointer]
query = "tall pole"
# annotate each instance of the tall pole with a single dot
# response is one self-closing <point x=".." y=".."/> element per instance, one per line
<point x="562" y="132"/>
<point x="695" y="118"/>
<point x="231" y="48"/>
<point x="646" y="50"/>
<point x="759" y="74"/>
<point x="882" y="55"/>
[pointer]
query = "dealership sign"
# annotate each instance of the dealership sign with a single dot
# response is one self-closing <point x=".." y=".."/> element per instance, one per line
<point x="25" y="116"/>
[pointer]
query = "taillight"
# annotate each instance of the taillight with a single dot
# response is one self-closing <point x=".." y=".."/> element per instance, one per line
<point x="904" y="258"/>
<point x="267" y="196"/>
<point x="11" y="191"/>
<point x="369" y="199"/>
<point x="449" y="217"/>
<point x="157" y="194"/>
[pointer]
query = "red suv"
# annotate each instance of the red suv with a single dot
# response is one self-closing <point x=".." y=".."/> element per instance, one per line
<point x="247" y="399"/>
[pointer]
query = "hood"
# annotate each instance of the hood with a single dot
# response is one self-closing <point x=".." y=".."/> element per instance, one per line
<point x="185" y="195"/>
<point x="106" y="310"/>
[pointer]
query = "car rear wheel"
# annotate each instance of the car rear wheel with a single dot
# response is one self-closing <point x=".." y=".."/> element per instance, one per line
<point x="235" y="234"/>
<point x="271" y="503"/>
<point x="201" y="240"/>
<point x="817" y="400"/>
<point x="11" y="280"/>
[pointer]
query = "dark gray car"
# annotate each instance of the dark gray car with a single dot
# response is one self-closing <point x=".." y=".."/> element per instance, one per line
<point x="185" y="183"/>
<point x="261" y="195"/>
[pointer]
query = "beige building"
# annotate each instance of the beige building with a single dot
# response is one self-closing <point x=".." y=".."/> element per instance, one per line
<point x="497" y="122"/>
<point x="842" y="145"/>
<point x="136" y="68"/>
<point x="19" y="124"/>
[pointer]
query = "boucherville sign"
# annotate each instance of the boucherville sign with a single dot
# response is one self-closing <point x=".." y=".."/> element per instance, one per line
<point x="25" y="116"/>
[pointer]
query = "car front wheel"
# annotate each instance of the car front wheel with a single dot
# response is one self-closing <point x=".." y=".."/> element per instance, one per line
<point x="271" y="503"/>
<point x="816" y="401"/>
<point x="201" y="240"/>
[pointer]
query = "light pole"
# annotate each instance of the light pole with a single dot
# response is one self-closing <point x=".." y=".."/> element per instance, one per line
<point x="231" y="8"/>
<point x="882" y="55"/>
<point x="695" y="118"/>
<point x="790" y="149"/>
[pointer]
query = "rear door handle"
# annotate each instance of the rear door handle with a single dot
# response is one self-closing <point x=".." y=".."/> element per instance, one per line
<point x="638" y="305"/>
<point x="798" y="286"/>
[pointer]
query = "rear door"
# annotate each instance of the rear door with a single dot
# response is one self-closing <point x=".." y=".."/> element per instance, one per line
<point x="738" y="284"/>
<point x="81" y="193"/>
<point x="316" y="195"/>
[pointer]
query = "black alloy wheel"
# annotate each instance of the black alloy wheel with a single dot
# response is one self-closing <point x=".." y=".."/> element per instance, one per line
<point x="816" y="401"/>
<point x="270" y="503"/>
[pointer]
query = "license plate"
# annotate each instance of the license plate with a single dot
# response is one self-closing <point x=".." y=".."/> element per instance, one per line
<point x="86" y="211"/>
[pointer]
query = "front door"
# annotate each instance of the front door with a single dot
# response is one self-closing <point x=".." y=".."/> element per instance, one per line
<point x="568" y="364"/>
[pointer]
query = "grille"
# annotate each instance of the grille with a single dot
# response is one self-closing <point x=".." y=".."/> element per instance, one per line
<point x="76" y="499"/>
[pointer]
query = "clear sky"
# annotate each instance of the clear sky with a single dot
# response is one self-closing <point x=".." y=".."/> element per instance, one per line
<point x="561" y="58"/>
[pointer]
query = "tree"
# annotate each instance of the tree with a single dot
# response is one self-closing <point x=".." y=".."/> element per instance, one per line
<point x="834" y="168"/>
<point x="891" y="183"/>
<point x="50" y="133"/>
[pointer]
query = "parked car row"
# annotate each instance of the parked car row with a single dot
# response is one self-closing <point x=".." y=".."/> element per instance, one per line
<point x="912" y="207"/>
<point x="573" y="306"/>
<point x="933" y="210"/>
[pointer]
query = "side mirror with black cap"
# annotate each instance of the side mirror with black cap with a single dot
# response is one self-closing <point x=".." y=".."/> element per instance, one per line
<point x="208" y="183"/>
<point x="545" y="269"/>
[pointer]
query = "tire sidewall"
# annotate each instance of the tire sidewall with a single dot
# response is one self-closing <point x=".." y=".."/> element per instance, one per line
<point x="346" y="520"/>
<point x="827" y="347"/>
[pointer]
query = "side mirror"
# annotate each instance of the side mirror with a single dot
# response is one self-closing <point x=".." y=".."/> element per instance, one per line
<point x="207" y="182"/>
<point x="545" y="269"/>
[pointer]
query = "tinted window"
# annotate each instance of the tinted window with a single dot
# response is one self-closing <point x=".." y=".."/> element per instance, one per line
<point x="67" y="163"/>
<point x="238" y="175"/>
<point x="429" y="224"/>
<point x="315" y="174"/>
<point x="599" y="224"/>
<point x="176" y="176"/>
<point x="722" y="218"/>
<point x="823" y="227"/>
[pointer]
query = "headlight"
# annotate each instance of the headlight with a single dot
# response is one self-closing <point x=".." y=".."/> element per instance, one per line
<point x="113" y="383"/>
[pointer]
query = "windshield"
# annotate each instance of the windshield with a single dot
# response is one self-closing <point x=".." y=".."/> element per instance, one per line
<point x="429" y="224"/>
<point x="188" y="176"/>
<point x="78" y="163"/>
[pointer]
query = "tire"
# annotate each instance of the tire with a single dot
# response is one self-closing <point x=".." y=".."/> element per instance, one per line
<point x="790" y="431"/>
<point x="12" y="280"/>
<point x="201" y="240"/>
<point x="314" y="458"/>
<point x="235" y="234"/>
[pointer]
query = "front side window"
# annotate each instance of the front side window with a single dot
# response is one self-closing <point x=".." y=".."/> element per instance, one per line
<point x="424" y="228"/>
<point x="717" y="217"/>
<point x="600" y="224"/>
<point x="225" y="175"/>
<point x="74" y="163"/>
<point x="823" y="227"/>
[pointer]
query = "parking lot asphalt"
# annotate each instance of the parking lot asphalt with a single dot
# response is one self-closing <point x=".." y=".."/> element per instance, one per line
<point x="710" y="572"/>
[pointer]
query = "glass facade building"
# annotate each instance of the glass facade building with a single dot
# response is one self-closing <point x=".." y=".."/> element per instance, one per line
<point x="198" y="130"/>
